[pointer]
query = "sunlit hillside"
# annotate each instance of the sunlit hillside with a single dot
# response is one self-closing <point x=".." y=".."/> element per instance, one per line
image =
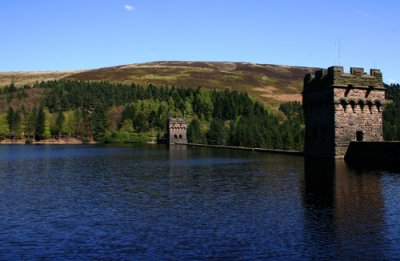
<point x="270" y="83"/>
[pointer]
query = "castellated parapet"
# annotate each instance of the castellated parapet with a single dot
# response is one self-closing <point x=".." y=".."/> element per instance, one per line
<point x="177" y="129"/>
<point x="342" y="107"/>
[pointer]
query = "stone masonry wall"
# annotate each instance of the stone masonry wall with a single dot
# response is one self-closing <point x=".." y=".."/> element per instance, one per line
<point x="177" y="129"/>
<point x="357" y="110"/>
<point x="340" y="108"/>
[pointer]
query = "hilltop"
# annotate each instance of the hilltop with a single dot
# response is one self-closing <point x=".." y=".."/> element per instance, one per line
<point x="29" y="78"/>
<point x="269" y="83"/>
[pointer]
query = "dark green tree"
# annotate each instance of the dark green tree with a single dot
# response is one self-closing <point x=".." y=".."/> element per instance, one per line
<point x="59" y="123"/>
<point x="216" y="135"/>
<point x="140" y="122"/>
<point x="10" y="120"/>
<point x="391" y="114"/>
<point x="98" y="119"/>
<point x="194" y="132"/>
<point x="40" y="124"/>
<point x="14" y="121"/>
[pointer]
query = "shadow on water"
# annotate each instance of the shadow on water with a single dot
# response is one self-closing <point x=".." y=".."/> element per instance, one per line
<point x="361" y="166"/>
<point x="344" y="209"/>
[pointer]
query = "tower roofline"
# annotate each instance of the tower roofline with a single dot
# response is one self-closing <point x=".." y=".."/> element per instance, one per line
<point x="335" y="76"/>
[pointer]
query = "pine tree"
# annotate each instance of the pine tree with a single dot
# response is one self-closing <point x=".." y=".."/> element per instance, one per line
<point x="59" y="123"/>
<point x="14" y="122"/>
<point x="10" y="121"/>
<point x="194" y="132"/>
<point x="98" y="119"/>
<point x="216" y="135"/>
<point x="40" y="124"/>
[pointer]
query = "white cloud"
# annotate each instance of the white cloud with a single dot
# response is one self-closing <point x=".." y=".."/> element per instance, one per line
<point x="129" y="8"/>
<point x="376" y="19"/>
<point x="367" y="15"/>
<point x="392" y="81"/>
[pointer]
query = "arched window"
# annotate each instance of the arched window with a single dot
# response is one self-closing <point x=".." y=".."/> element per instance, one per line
<point x="361" y="104"/>
<point x="344" y="105"/>
<point x="353" y="106"/>
<point x="370" y="106"/>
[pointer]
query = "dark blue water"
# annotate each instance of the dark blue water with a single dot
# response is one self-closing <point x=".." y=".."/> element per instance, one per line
<point x="150" y="203"/>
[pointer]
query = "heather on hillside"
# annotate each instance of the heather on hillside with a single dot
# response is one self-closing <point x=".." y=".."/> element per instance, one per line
<point x="269" y="83"/>
<point x="121" y="113"/>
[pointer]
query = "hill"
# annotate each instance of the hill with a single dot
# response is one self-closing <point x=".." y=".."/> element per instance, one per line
<point x="271" y="84"/>
<point x="29" y="78"/>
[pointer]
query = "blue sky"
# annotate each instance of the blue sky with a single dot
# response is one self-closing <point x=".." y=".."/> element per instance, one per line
<point x="82" y="34"/>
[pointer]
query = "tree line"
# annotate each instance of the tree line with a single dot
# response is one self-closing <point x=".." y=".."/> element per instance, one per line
<point x="118" y="113"/>
<point x="110" y="113"/>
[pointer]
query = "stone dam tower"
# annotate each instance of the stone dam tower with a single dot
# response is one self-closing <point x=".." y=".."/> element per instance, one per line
<point x="177" y="129"/>
<point x="340" y="108"/>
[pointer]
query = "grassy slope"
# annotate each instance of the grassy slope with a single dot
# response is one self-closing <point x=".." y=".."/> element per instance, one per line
<point x="29" y="78"/>
<point x="270" y="83"/>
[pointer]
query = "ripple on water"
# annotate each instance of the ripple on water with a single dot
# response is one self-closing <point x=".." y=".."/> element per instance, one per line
<point x="146" y="202"/>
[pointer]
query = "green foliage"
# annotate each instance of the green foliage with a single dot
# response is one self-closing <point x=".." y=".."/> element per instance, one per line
<point x="203" y="105"/>
<point x="30" y="123"/>
<point x="293" y="111"/>
<point x="194" y="133"/>
<point x="47" y="128"/>
<point x="4" y="130"/>
<point x="40" y="128"/>
<point x="98" y="123"/>
<point x="216" y="135"/>
<point x="118" y="113"/>
<point x="391" y="114"/>
<point x="68" y="125"/>
<point x="59" y="123"/>
<point x="14" y="121"/>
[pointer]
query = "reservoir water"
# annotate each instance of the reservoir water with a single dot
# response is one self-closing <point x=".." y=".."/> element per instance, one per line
<point x="150" y="203"/>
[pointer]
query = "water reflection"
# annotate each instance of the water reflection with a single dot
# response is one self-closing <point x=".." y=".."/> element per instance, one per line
<point x="343" y="206"/>
<point x="150" y="202"/>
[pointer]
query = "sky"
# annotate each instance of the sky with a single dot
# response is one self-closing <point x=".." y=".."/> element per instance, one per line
<point x="49" y="35"/>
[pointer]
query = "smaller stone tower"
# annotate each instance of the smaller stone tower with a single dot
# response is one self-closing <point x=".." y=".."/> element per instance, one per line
<point x="177" y="129"/>
<point x="340" y="108"/>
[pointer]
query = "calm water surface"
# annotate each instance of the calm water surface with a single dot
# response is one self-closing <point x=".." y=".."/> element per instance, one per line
<point x="150" y="203"/>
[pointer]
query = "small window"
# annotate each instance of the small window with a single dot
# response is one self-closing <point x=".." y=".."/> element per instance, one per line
<point x="359" y="135"/>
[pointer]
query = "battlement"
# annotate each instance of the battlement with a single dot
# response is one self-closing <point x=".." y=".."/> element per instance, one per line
<point x="173" y="121"/>
<point x="336" y="77"/>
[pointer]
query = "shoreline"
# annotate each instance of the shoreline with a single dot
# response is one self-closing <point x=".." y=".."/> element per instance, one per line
<point x="52" y="141"/>
<point x="75" y="141"/>
<point x="275" y="151"/>
<point x="55" y="141"/>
